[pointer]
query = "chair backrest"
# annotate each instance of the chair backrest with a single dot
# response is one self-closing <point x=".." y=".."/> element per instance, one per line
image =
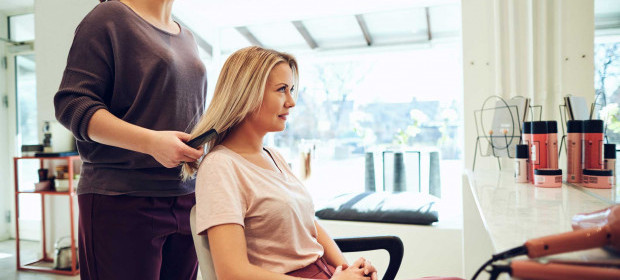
<point x="201" y="243"/>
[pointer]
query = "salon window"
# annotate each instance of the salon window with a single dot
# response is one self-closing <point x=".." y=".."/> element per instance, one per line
<point x="607" y="66"/>
<point x="355" y="104"/>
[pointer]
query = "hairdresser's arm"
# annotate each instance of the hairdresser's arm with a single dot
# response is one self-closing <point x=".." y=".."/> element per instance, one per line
<point x="167" y="147"/>
<point x="230" y="257"/>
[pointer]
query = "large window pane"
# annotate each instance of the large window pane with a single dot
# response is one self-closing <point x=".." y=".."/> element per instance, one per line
<point x="607" y="65"/>
<point x="347" y="107"/>
<point x="607" y="84"/>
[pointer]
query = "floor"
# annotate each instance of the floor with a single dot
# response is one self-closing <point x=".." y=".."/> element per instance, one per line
<point x="29" y="251"/>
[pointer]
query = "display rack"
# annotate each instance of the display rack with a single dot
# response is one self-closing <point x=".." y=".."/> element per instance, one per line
<point x="43" y="264"/>
<point x="565" y="117"/>
<point x="500" y="145"/>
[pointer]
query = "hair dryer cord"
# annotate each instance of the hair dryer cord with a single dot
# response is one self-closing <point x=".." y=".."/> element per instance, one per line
<point x="517" y="251"/>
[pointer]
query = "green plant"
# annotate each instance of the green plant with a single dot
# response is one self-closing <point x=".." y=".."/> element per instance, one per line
<point x="402" y="137"/>
<point x="610" y="114"/>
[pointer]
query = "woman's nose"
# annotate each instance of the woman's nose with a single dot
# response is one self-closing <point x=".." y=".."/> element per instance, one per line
<point x="290" y="101"/>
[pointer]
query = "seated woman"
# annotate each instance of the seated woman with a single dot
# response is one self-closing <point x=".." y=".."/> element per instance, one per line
<point x="258" y="216"/>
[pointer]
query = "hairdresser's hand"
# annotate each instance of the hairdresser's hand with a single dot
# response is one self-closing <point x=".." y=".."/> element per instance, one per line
<point x="169" y="148"/>
<point x="353" y="272"/>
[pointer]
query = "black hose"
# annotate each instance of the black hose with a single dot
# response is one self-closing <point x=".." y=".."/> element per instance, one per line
<point x="510" y="253"/>
<point x="481" y="268"/>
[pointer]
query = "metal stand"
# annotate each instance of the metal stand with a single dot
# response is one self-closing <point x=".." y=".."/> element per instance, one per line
<point x="563" y="120"/>
<point x="491" y="139"/>
<point x="42" y="265"/>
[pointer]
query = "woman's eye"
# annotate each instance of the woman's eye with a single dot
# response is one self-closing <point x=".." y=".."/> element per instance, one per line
<point x="282" y="89"/>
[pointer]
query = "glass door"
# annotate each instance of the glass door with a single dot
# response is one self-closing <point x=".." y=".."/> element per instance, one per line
<point x="21" y="124"/>
<point x="26" y="97"/>
<point x="26" y="134"/>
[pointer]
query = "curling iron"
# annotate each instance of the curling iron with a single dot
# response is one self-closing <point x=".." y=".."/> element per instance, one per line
<point x="524" y="269"/>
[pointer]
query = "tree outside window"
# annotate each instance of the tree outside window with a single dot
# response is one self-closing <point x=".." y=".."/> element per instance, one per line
<point x="607" y="86"/>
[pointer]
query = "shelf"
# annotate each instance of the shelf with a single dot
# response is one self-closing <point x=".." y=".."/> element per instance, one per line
<point x="47" y="192"/>
<point x="50" y="158"/>
<point x="46" y="265"/>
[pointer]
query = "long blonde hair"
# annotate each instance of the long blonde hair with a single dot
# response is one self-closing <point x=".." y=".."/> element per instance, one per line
<point x="238" y="93"/>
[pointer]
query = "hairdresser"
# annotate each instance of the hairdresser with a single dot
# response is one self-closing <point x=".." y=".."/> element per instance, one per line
<point x="132" y="87"/>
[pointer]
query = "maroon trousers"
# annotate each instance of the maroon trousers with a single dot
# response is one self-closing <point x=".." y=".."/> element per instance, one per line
<point x="126" y="237"/>
<point x="316" y="270"/>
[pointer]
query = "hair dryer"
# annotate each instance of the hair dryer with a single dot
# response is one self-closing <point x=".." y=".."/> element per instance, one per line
<point x="608" y="234"/>
<point x="605" y="232"/>
<point x="581" y="239"/>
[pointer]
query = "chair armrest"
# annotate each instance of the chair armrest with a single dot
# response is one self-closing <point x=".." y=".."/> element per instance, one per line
<point x="392" y="244"/>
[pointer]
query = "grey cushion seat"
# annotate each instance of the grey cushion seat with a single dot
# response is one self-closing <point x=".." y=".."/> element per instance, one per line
<point x="401" y="208"/>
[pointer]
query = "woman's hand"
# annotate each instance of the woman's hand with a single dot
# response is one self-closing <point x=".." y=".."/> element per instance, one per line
<point x="356" y="271"/>
<point x="369" y="269"/>
<point x="169" y="148"/>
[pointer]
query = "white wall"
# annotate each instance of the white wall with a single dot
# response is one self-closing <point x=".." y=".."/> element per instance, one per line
<point x="537" y="48"/>
<point x="429" y="250"/>
<point x="55" y="23"/>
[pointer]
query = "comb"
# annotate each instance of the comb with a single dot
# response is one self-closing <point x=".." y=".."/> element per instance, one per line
<point x="202" y="138"/>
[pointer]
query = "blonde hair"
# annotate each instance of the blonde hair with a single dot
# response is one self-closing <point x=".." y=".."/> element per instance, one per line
<point x="238" y="93"/>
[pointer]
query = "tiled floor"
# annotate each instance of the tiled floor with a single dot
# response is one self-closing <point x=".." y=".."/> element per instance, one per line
<point x="29" y="251"/>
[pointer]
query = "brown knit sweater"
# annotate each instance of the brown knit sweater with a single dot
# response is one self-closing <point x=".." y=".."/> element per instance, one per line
<point x="142" y="75"/>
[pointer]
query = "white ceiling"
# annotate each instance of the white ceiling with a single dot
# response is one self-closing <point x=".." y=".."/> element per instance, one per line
<point x="8" y="6"/>
<point x="252" y="12"/>
<point x="331" y="24"/>
<point x="249" y="12"/>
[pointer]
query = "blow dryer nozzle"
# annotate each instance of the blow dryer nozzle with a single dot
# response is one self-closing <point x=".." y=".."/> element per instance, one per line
<point x="514" y="252"/>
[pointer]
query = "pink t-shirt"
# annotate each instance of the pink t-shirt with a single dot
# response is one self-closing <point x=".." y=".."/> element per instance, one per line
<point x="274" y="208"/>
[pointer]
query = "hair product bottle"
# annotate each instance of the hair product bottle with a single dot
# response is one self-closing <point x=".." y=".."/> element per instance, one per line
<point x="521" y="163"/>
<point x="593" y="141"/>
<point x="574" y="137"/>
<point x="610" y="160"/>
<point x="538" y="151"/>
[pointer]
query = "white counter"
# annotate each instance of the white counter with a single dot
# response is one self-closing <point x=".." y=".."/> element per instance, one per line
<point x="500" y="214"/>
